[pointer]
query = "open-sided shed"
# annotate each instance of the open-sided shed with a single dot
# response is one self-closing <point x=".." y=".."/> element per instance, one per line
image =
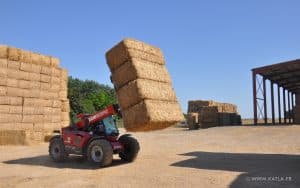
<point x="286" y="76"/>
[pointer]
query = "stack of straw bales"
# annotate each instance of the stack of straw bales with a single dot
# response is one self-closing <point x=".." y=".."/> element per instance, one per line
<point x="143" y="86"/>
<point x="33" y="95"/>
<point x="211" y="113"/>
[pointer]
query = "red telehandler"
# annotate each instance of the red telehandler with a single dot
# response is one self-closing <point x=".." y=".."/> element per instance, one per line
<point x="95" y="137"/>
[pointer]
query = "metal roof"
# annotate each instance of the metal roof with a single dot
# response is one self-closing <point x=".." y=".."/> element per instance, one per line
<point x="286" y="74"/>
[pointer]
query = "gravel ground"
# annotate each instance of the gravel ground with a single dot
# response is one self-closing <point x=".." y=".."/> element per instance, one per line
<point x="216" y="157"/>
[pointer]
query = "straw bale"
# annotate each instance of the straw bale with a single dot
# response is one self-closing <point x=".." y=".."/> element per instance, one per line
<point x="11" y="100"/>
<point x="40" y="59"/>
<point x="16" y="126"/>
<point x="15" y="109"/>
<point x="37" y="102"/>
<point x="57" y="119"/>
<point x="126" y="49"/>
<point x="34" y="85"/>
<point x="209" y="114"/>
<point x="65" y="116"/>
<point x="196" y="105"/>
<point x="33" y="118"/>
<point x="10" y="82"/>
<point x="46" y="70"/>
<point x="65" y="107"/>
<point x="65" y="124"/>
<point x="51" y="110"/>
<point x="3" y="63"/>
<point x="135" y="44"/>
<point x="56" y="72"/>
<point x="3" y="51"/>
<point x="3" y="72"/>
<point x="27" y="67"/>
<point x="9" y="109"/>
<point x="4" y="109"/>
<point x="52" y="126"/>
<point x="55" y="80"/>
<point x="14" y="54"/>
<point x="36" y="68"/>
<point x="140" y="89"/>
<point x="57" y="104"/>
<point x="54" y="61"/>
<point x="25" y="126"/>
<point x="38" y="126"/>
<point x="14" y="137"/>
<point x="224" y="118"/>
<point x="229" y="108"/>
<point x="3" y="90"/>
<point x="3" y="81"/>
<point x="15" y="92"/>
<point x="63" y="85"/>
<point x="136" y="68"/>
<point x="36" y="136"/>
<point x="34" y="76"/>
<point x="55" y="87"/>
<point x="152" y="115"/>
<point x="10" y="118"/>
<point x="63" y="94"/>
<point x="17" y="74"/>
<point x="24" y="84"/>
<point x="45" y="86"/>
<point x="14" y="64"/>
<point x="25" y="56"/>
<point x="236" y="119"/>
<point x="33" y="110"/>
<point x="48" y="95"/>
<point x="4" y="100"/>
<point x="31" y="93"/>
<point x="64" y="74"/>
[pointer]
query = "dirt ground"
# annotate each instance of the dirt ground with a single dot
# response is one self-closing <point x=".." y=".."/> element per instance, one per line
<point x="215" y="157"/>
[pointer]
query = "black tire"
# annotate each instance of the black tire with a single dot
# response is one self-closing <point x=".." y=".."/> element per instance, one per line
<point x="100" y="152"/>
<point x="131" y="148"/>
<point x="57" y="150"/>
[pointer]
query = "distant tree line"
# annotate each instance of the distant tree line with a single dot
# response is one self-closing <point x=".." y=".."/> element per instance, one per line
<point x="88" y="96"/>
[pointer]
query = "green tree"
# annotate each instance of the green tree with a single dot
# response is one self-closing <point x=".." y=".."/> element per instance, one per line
<point x="88" y="96"/>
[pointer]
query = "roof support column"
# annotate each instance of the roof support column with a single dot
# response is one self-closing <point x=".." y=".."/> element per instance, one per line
<point x="289" y="107"/>
<point x="293" y="107"/>
<point x="254" y="97"/>
<point x="265" y="100"/>
<point x="279" y="104"/>
<point x="272" y="103"/>
<point x="284" y="104"/>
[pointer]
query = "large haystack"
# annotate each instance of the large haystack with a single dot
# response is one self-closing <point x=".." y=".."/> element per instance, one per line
<point x="143" y="86"/>
<point x="33" y="96"/>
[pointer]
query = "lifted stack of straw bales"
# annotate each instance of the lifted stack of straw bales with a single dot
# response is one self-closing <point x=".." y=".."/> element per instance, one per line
<point x="211" y="113"/>
<point x="33" y="96"/>
<point x="143" y="86"/>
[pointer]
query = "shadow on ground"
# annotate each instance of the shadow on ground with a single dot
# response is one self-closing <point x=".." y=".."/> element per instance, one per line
<point x="73" y="162"/>
<point x="258" y="170"/>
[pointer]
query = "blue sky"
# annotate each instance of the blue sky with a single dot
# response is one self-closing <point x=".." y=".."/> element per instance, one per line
<point x="210" y="46"/>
